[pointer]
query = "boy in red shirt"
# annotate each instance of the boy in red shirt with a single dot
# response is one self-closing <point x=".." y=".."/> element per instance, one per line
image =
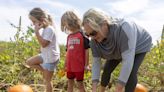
<point x="77" y="55"/>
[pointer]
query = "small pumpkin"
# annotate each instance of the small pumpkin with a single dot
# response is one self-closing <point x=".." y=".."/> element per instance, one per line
<point x="140" y="88"/>
<point x="20" y="88"/>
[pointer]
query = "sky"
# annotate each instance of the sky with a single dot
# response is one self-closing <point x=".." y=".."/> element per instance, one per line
<point x="146" y="13"/>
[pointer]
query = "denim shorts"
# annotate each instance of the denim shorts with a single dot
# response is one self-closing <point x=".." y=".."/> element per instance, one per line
<point x="49" y="66"/>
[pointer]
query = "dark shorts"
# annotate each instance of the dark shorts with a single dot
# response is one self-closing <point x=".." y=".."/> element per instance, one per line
<point x="78" y="75"/>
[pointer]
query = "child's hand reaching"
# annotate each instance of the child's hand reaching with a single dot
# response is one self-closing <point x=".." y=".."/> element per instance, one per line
<point x="87" y="68"/>
<point x="87" y="73"/>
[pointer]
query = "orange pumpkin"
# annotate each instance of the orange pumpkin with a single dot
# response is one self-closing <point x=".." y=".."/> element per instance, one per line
<point x="20" y="88"/>
<point x="140" y="88"/>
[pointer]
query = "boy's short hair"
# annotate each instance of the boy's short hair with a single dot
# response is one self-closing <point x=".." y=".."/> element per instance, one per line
<point x="71" y="19"/>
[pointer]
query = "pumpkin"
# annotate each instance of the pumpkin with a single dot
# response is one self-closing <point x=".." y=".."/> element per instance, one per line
<point x="140" y="88"/>
<point x="20" y="88"/>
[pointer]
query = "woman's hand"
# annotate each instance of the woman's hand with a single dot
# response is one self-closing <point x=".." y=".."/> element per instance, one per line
<point x="119" y="88"/>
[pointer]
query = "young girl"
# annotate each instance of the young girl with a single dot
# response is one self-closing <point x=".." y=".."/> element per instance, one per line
<point x="48" y="59"/>
<point x="77" y="50"/>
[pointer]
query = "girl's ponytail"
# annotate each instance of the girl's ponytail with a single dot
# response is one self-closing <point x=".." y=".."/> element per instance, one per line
<point x="50" y="20"/>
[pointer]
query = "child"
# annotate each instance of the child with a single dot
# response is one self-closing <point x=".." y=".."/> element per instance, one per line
<point x="48" y="59"/>
<point x="77" y="50"/>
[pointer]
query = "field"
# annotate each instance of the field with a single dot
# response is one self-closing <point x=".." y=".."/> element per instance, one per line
<point x="13" y="55"/>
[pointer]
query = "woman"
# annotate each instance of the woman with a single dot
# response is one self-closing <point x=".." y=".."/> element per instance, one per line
<point x="115" y="40"/>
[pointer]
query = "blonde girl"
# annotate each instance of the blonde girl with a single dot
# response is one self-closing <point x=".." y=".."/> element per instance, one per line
<point x="48" y="59"/>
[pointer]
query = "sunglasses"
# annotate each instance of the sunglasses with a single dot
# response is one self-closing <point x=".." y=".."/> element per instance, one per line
<point x="93" y="33"/>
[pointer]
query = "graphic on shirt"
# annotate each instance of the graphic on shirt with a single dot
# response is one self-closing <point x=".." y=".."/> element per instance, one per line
<point x="72" y="42"/>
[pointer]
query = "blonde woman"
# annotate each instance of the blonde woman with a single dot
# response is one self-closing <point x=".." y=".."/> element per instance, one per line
<point x="48" y="59"/>
<point x="77" y="56"/>
<point x="115" y="40"/>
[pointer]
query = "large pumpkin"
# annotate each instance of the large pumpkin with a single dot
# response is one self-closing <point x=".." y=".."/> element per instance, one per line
<point x="20" y="88"/>
<point x="140" y="88"/>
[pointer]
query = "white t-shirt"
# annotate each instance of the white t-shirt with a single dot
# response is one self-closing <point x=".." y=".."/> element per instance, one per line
<point x="50" y="53"/>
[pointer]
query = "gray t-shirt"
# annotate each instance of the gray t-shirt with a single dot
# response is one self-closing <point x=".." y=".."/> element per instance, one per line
<point x="125" y="40"/>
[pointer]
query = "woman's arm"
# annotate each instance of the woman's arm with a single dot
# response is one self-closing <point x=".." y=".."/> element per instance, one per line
<point x="96" y="68"/>
<point x="128" y="55"/>
<point x="96" y="65"/>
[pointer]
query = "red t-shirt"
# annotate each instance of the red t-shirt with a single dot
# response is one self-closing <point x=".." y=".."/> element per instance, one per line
<point x="75" y="52"/>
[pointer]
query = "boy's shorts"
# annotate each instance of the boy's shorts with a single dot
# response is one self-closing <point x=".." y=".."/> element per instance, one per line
<point x="49" y="66"/>
<point x="78" y="75"/>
